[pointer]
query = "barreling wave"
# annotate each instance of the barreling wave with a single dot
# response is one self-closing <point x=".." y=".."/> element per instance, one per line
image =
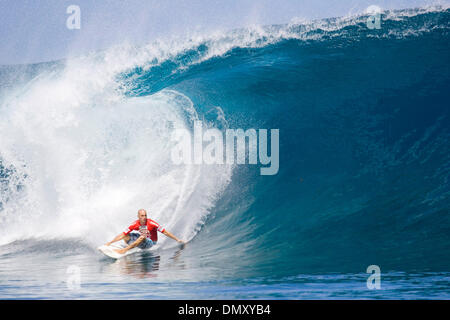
<point x="364" y="156"/>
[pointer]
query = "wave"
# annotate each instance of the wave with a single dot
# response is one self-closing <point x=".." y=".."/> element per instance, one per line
<point x="88" y="157"/>
<point x="364" y="159"/>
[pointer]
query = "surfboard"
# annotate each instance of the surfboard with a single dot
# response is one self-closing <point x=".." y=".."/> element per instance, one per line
<point x="110" y="252"/>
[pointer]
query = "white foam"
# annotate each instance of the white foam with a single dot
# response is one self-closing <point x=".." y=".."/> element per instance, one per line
<point x="88" y="158"/>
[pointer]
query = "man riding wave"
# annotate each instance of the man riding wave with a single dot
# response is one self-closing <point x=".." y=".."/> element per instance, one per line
<point x="146" y="235"/>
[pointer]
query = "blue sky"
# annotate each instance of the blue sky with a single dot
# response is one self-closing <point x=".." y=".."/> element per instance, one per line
<point x="35" y="30"/>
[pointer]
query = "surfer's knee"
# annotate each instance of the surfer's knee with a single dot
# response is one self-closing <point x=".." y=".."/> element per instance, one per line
<point x="139" y="240"/>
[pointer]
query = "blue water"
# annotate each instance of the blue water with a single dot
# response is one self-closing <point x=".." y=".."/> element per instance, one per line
<point x="364" y="120"/>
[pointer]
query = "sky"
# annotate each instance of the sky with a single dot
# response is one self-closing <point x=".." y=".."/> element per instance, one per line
<point x="35" y="30"/>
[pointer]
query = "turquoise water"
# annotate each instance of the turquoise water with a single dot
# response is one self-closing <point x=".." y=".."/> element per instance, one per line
<point x="184" y="275"/>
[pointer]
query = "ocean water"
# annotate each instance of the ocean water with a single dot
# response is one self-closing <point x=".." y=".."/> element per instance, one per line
<point x="364" y="122"/>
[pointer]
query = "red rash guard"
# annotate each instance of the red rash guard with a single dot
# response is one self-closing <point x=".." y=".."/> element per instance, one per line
<point x="148" y="230"/>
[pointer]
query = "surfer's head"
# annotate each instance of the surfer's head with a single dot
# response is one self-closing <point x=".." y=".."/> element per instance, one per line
<point x="142" y="215"/>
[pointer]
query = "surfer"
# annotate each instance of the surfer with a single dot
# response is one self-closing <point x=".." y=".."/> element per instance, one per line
<point x="146" y="236"/>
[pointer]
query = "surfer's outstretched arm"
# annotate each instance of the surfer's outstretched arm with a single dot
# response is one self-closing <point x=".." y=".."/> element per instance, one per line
<point x="117" y="238"/>
<point x="167" y="233"/>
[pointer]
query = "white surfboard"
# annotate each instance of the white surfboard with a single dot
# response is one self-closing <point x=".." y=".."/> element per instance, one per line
<point x="110" y="252"/>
